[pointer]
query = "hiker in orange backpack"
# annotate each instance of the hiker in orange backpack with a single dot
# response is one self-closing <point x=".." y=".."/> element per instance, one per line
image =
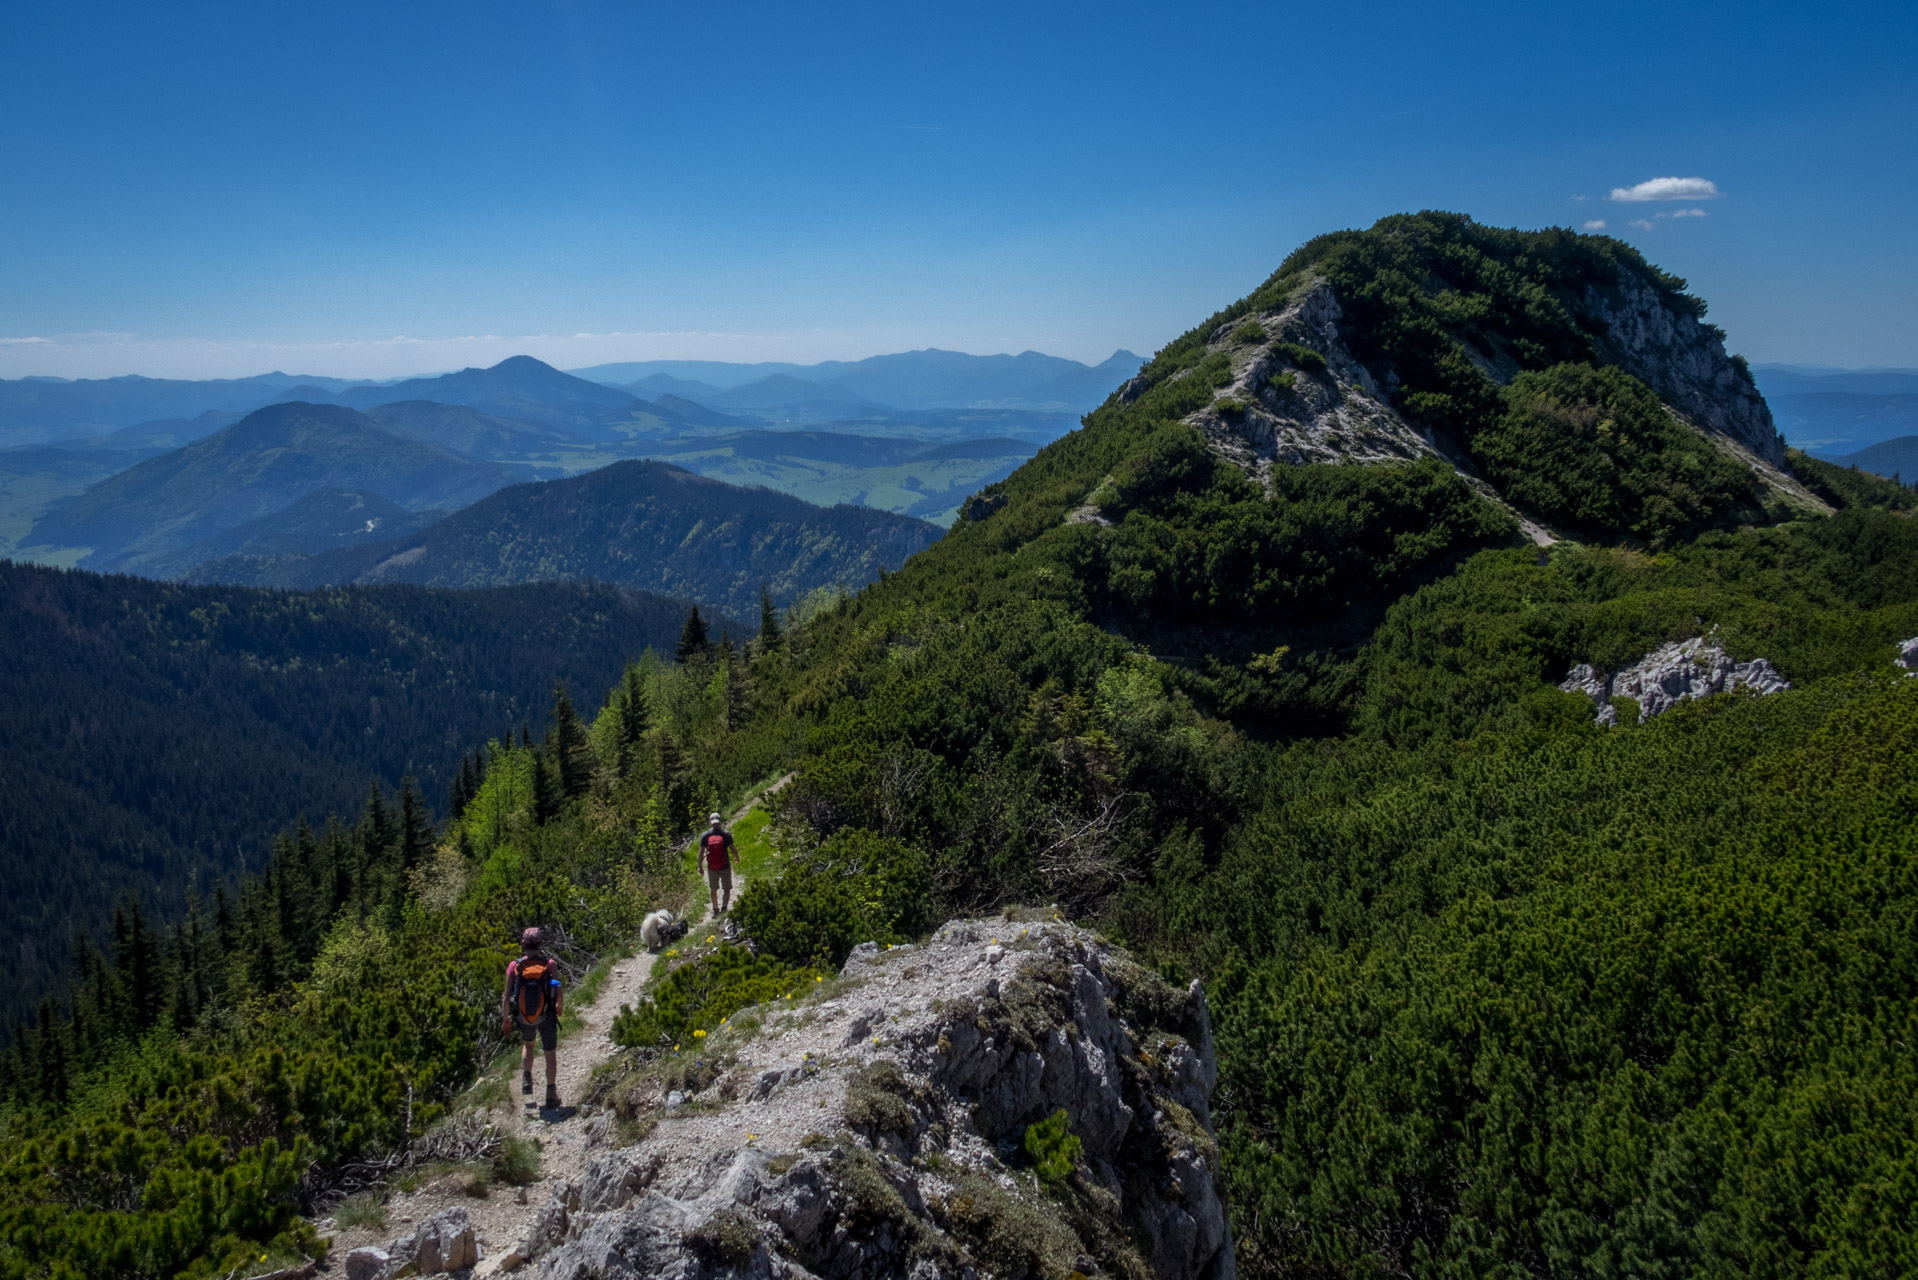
<point x="530" y="1005"/>
<point x="716" y="860"/>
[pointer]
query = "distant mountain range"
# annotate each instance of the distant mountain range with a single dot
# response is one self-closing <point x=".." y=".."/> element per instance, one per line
<point x="929" y="379"/>
<point x="261" y="465"/>
<point x="1893" y="459"/>
<point x="38" y="410"/>
<point x="640" y="524"/>
<point x="607" y="402"/>
<point x="1832" y="413"/>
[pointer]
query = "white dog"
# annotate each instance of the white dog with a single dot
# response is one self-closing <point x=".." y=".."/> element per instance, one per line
<point x="660" y="928"/>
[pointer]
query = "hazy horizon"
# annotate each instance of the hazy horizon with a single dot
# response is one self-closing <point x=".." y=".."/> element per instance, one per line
<point x="225" y="190"/>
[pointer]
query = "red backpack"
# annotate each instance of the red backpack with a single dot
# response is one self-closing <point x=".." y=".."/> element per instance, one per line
<point x="716" y="850"/>
<point x="531" y="997"/>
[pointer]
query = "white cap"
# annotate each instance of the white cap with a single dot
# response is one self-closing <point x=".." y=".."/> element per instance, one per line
<point x="714" y="818"/>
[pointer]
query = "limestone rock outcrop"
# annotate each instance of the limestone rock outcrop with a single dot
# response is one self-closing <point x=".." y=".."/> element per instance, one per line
<point x="881" y="1130"/>
<point x="1683" y="359"/>
<point x="442" y="1244"/>
<point x="1908" y="655"/>
<point x="1272" y="410"/>
<point x="1668" y="675"/>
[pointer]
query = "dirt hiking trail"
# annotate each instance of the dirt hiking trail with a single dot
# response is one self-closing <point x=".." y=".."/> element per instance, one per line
<point x="567" y="1136"/>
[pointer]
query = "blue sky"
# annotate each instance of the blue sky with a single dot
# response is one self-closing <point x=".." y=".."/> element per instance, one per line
<point x="369" y="190"/>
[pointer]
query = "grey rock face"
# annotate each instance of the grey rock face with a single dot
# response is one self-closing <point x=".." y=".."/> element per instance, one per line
<point x="1667" y="676"/>
<point x="368" y="1263"/>
<point x="1338" y="414"/>
<point x="1683" y="359"/>
<point x="987" y="1029"/>
<point x="1908" y="655"/>
<point x="443" y="1243"/>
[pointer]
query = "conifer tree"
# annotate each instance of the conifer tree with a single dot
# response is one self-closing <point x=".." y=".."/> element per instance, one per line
<point x="572" y="754"/>
<point x="136" y="957"/>
<point x="693" y="642"/>
<point x="546" y="790"/>
<point x="377" y="832"/>
<point x="770" y="635"/>
<point x="416" y="831"/>
<point x="50" y="1053"/>
<point x="672" y="777"/>
<point x="635" y="713"/>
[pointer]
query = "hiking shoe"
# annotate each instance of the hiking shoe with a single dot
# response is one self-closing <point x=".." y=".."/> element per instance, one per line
<point x="526" y="1082"/>
<point x="552" y="1097"/>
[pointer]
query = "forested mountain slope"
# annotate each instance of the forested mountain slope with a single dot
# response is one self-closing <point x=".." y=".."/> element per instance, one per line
<point x="159" y="736"/>
<point x="1248" y="674"/>
<point x="1498" y="989"/>
<point x="639" y="524"/>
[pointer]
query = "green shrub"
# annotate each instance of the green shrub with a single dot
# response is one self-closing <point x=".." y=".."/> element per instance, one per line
<point x="1303" y="357"/>
<point x="1229" y="407"/>
<point x="1846" y="487"/>
<point x="857" y="886"/>
<point x="724" y="1238"/>
<point x="876" y="1100"/>
<point x="1052" y="1147"/>
<point x="1595" y="450"/>
<point x="367" y="1209"/>
<point x="1283" y="382"/>
<point x="701" y="995"/>
<point x="1249" y="333"/>
<point x="518" y="1161"/>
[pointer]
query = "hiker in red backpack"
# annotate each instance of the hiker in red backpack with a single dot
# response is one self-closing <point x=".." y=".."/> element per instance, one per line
<point x="530" y="1005"/>
<point x="716" y="860"/>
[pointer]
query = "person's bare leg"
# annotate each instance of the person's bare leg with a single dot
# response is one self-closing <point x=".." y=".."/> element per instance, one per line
<point x="552" y="1078"/>
<point x="526" y="1066"/>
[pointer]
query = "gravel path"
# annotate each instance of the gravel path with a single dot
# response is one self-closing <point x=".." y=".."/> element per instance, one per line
<point x="567" y="1139"/>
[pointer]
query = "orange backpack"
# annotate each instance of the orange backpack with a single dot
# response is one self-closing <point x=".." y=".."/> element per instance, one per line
<point x="533" y="978"/>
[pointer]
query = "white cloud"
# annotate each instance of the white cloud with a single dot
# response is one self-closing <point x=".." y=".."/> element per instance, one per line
<point x="1667" y="189"/>
<point x="1643" y="224"/>
<point x="1595" y="224"/>
<point x="1684" y="213"/>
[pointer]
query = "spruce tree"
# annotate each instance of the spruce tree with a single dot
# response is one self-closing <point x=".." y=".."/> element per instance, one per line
<point x="377" y="831"/>
<point x="572" y="753"/>
<point x="546" y="791"/>
<point x="635" y="713"/>
<point x="416" y="830"/>
<point x="692" y="638"/>
<point x="770" y="636"/>
<point x="674" y="780"/>
<point x="137" y="960"/>
<point x="50" y="1053"/>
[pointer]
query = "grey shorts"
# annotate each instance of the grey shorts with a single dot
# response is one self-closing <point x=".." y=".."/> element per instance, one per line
<point x="720" y="878"/>
<point x="548" y="1032"/>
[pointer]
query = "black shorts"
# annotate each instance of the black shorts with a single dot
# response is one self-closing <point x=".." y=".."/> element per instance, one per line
<point x="548" y="1034"/>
